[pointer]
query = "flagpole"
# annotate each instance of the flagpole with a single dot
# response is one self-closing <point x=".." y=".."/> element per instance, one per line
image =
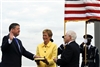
<point x="65" y="21"/>
<point x="64" y="31"/>
<point x="64" y="28"/>
<point x="85" y="43"/>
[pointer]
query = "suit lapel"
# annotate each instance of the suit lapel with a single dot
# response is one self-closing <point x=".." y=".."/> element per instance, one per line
<point x="20" y="47"/>
<point x="15" y="46"/>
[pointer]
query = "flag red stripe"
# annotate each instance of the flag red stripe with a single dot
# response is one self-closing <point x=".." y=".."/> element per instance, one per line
<point x="92" y="11"/>
<point x="82" y="5"/>
<point x="93" y="4"/>
<point x="75" y="18"/>
<point x="81" y="18"/>
<point x="82" y="12"/>
<point x="75" y="12"/>
<point x="74" y="5"/>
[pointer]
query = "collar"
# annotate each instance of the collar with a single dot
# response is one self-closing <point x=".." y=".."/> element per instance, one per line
<point x="89" y="46"/>
<point x="70" y="42"/>
<point x="14" y="36"/>
<point x="65" y="44"/>
<point x="43" y="45"/>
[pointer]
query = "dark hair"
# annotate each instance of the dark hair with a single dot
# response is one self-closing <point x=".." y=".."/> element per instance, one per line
<point x="13" y="25"/>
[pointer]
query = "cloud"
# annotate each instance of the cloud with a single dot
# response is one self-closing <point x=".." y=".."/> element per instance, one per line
<point x="36" y="16"/>
<point x="33" y="18"/>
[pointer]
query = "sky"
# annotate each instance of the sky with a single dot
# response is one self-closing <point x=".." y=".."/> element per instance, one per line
<point x="34" y="16"/>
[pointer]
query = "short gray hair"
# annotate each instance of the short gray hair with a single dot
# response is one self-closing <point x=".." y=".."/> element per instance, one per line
<point x="72" y="34"/>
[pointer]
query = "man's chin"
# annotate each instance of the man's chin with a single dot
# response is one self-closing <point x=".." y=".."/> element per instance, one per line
<point x="16" y="35"/>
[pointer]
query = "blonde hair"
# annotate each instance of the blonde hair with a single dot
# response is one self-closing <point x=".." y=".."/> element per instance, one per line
<point x="48" y="31"/>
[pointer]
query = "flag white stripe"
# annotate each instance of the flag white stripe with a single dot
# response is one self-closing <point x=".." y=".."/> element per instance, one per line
<point x="97" y="2"/>
<point x="92" y="8"/>
<point x="74" y="2"/>
<point x="75" y="15"/>
<point x="93" y="14"/>
<point x="81" y="8"/>
<point x="82" y="15"/>
<point x="81" y="2"/>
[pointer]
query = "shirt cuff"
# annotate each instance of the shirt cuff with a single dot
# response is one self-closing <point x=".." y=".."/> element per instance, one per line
<point x="33" y="56"/>
<point x="9" y="41"/>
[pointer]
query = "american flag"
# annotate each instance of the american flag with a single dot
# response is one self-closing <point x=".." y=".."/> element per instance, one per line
<point x="77" y="10"/>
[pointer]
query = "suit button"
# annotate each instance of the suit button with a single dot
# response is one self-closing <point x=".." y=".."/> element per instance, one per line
<point x="44" y="51"/>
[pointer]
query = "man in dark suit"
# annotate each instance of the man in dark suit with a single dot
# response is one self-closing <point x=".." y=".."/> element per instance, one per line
<point x="12" y="48"/>
<point x="92" y="53"/>
<point x="71" y="53"/>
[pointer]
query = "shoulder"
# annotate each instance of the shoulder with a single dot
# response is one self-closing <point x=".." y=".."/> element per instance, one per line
<point x="74" y="44"/>
<point x="94" y="48"/>
<point x="53" y="43"/>
<point x="6" y="37"/>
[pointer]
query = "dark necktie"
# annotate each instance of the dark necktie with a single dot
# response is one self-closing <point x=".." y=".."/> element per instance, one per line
<point x="17" y="44"/>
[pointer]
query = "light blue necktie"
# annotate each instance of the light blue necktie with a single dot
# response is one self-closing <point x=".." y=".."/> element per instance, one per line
<point x="17" y="44"/>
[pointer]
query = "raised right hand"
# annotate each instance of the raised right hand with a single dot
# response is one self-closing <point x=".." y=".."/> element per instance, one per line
<point x="11" y="36"/>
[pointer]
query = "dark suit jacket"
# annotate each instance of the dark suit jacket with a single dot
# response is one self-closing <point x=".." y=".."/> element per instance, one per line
<point x="11" y="56"/>
<point x="60" y="49"/>
<point x="70" y="56"/>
